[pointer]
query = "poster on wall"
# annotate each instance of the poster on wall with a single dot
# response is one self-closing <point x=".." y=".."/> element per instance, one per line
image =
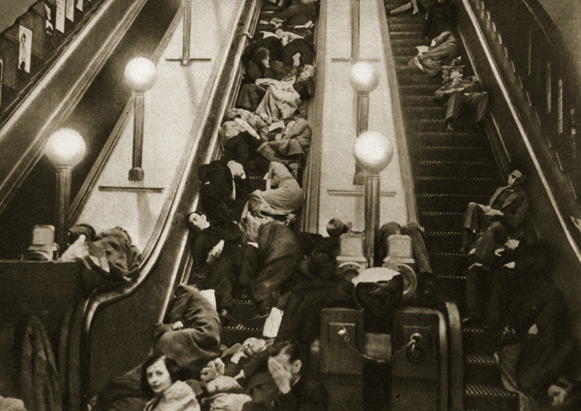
<point x="60" y="15"/>
<point x="48" y="23"/>
<point x="80" y="5"/>
<point x="70" y="10"/>
<point x="25" y="48"/>
<point x="1" y="79"/>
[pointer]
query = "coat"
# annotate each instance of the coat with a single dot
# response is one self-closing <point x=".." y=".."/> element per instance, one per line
<point x="39" y="380"/>
<point x="178" y="397"/>
<point x="193" y="346"/>
<point x="273" y="264"/>
<point x="514" y="207"/>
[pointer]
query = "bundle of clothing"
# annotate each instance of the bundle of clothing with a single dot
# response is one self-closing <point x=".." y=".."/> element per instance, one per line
<point x="110" y="253"/>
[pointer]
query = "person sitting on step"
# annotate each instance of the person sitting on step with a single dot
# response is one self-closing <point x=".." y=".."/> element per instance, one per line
<point x="504" y="214"/>
<point x="457" y="92"/>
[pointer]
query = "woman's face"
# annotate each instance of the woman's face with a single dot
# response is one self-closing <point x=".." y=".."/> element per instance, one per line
<point x="158" y="376"/>
<point x="199" y="221"/>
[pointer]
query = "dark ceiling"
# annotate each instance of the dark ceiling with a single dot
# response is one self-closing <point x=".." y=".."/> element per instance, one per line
<point x="10" y="10"/>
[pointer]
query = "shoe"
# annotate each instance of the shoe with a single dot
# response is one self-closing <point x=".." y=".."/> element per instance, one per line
<point x="416" y="11"/>
<point x="449" y="127"/>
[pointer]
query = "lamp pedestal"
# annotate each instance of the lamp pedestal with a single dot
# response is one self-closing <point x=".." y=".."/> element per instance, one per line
<point x="371" y="214"/>
<point x="373" y="152"/>
<point x="362" y="126"/>
<point x="136" y="172"/>
<point x="63" y="196"/>
<point x="140" y="74"/>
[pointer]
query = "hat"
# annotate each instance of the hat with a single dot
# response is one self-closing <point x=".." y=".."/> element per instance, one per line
<point x="335" y="227"/>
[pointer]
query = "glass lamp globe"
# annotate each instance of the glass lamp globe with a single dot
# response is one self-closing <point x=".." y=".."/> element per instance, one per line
<point x="373" y="151"/>
<point x="65" y="148"/>
<point x="363" y="77"/>
<point x="140" y="74"/>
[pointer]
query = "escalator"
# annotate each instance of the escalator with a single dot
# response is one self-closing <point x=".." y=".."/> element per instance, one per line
<point x="450" y="170"/>
<point x="102" y="321"/>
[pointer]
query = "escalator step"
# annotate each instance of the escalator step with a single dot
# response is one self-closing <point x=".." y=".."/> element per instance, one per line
<point x="397" y="25"/>
<point x="412" y="35"/>
<point x="426" y="100"/>
<point x="405" y="41"/>
<point x="430" y="124"/>
<point x="459" y="185"/>
<point x="481" y="341"/>
<point x="408" y="50"/>
<point x="489" y="398"/>
<point x="444" y="241"/>
<point x="447" y="201"/>
<point x="450" y="287"/>
<point x="481" y="369"/>
<point x="479" y="359"/>
<point x="413" y="89"/>
<point x="446" y="138"/>
<point x="454" y="153"/>
<point x="438" y="221"/>
<point x="455" y="168"/>
<point x="427" y="112"/>
<point x="452" y="264"/>
<point x="482" y="390"/>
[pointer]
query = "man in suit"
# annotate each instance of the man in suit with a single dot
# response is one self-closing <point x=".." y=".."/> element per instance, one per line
<point x="458" y="92"/>
<point x="503" y="215"/>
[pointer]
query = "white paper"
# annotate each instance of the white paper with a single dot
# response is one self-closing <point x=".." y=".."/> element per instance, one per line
<point x="209" y="295"/>
<point x="272" y="323"/>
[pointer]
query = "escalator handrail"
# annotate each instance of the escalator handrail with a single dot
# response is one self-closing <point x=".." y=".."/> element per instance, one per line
<point x="231" y="89"/>
<point x="523" y="134"/>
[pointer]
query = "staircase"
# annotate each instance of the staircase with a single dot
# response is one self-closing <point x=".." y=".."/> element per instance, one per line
<point x="450" y="170"/>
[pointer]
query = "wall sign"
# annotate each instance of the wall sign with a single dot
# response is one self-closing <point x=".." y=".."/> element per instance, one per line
<point x="70" y="10"/>
<point x="24" y="48"/>
<point x="60" y="15"/>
